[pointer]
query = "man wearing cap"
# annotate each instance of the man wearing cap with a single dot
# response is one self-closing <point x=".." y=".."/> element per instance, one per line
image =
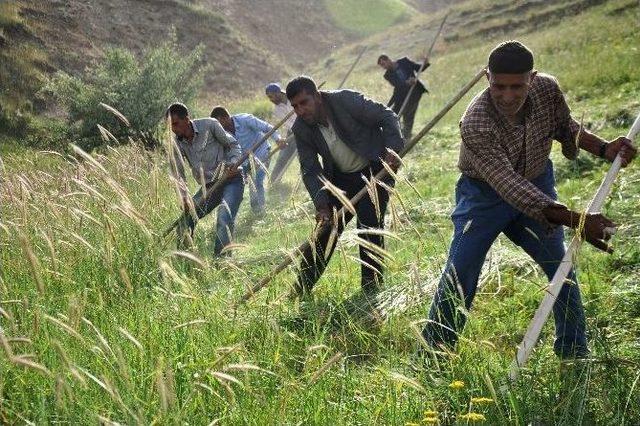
<point x="248" y="130"/>
<point x="352" y="135"/>
<point x="211" y="153"/>
<point x="281" y="109"/>
<point x="401" y="74"/>
<point x="507" y="186"/>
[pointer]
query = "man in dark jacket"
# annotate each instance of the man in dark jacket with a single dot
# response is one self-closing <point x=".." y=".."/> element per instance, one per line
<point x="352" y="135"/>
<point x="402" y="75"/>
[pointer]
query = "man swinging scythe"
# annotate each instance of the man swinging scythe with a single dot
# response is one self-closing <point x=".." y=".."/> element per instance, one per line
<point x="507" y="186"/>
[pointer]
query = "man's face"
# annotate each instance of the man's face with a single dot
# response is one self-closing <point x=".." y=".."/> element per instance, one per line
<point x="275" y="98"/>
<point x="509" y="91"/>
<point x="180" y="126"/>
<point x="387" y="64"/>
<point x="307" y="106"/>
<point x="226" y="123"/>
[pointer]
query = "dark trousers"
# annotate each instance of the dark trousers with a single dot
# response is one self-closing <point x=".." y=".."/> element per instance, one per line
<point x="409" y="113"/>
<point x="317" y="256"/>
<point x="479" y="217"/>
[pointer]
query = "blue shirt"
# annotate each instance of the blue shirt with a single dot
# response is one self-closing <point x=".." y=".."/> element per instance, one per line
<point x="249" y="130"/>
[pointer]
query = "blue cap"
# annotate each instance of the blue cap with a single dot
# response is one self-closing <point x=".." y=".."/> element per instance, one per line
<point x="273" y="88"/>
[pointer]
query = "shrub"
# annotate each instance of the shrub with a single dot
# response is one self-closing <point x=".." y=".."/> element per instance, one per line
<point x="141" y="91"/>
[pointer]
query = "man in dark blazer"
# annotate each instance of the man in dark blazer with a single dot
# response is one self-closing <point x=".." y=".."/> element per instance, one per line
<point x="353" y="135"/>
<point x="402" y="75"/>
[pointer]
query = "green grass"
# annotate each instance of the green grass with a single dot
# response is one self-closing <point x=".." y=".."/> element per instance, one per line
<point x="9" y="14"/>
<point x="105" y="277"/>
<point x="367" y="17"/>
<point x="21" y="70"/>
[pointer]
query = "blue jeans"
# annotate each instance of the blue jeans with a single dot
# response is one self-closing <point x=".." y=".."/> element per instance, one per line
<point x="228" y="202"/>
<point x="255" y="182"/>
<point x="479" y="217"/>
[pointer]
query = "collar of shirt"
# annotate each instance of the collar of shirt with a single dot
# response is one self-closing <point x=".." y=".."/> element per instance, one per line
<point x="503" y="120"/>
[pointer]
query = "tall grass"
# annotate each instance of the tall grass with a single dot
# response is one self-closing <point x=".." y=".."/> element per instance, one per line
<point x="101" y="321"/>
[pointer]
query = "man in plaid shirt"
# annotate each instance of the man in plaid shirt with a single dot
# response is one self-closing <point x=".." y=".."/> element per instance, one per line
<point x="507" y="186"/>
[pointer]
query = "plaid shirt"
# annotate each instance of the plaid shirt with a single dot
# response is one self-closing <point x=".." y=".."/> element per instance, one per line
<point x="508" y="156"/>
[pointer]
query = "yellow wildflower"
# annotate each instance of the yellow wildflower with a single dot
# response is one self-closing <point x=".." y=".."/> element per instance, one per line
<point x="411" y="424"/>
<point x="430" y="420"/>
<point x="430" y="413"/>
<point x="456" y="384"/>
<point x="481" y="400"/>
<point x="472" y="417"/>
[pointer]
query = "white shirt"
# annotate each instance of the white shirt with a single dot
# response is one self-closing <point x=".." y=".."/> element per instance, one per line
<point x="280" y="111"/>
<point x="345" y="158"/>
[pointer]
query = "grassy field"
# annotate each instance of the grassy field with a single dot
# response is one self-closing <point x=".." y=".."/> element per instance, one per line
<point x="102" y="321"/>
<point x="367" y="17"/>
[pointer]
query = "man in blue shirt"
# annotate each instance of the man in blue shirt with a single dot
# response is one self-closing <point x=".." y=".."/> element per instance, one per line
<point x="248" y="129"/>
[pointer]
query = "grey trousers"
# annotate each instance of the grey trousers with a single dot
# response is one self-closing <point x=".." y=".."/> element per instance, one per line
<point x="284" y="159"/>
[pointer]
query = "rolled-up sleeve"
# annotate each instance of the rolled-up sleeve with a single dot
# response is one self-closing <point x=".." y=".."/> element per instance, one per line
<point x="494" y="167"/>
<point x="264" y="127"/>
<point x="231" y="146"/>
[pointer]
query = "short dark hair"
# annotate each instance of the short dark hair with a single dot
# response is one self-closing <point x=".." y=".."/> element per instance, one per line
<point x="178" y="110"/>
<point x="300" y="84"/>
<point x="219" y="112"/>
<point x="510" y="57"/>
<point x="383" y="57"/>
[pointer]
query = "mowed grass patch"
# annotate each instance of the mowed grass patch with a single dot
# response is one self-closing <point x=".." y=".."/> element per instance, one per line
<point x="363" y="18"/>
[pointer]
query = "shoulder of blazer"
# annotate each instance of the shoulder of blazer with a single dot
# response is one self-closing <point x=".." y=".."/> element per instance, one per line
<point x="334" y="98"/>
<point x="299" y="126"/>
<point x="302" y="131"/>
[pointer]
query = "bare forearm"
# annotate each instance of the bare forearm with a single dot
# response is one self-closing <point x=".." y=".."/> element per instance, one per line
<point x="591" y="143"/>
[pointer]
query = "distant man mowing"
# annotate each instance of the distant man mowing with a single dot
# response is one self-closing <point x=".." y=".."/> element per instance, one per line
<point x="352" y="135"/>
<point x="282" y="107"/>
<point x="210" y="152"/>
<point x="507" y="186"/>
<point x="402" y="75"/>
<point x="248" y="129"/>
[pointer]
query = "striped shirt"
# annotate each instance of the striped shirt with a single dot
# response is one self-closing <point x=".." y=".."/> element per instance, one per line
<point x="508" y="156"/>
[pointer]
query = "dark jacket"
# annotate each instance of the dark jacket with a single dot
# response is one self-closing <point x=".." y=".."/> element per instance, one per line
<point x="365" y="126"/>
<point x="400" y="87"/>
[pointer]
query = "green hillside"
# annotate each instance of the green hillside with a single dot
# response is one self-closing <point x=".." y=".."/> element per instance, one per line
<point x="102" y="321"/>
<point x="368" y="17"/>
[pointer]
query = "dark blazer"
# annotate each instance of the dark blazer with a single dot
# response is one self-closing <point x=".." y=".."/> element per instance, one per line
<point x="365" y="126"/>
<point x="401" y="88"/>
